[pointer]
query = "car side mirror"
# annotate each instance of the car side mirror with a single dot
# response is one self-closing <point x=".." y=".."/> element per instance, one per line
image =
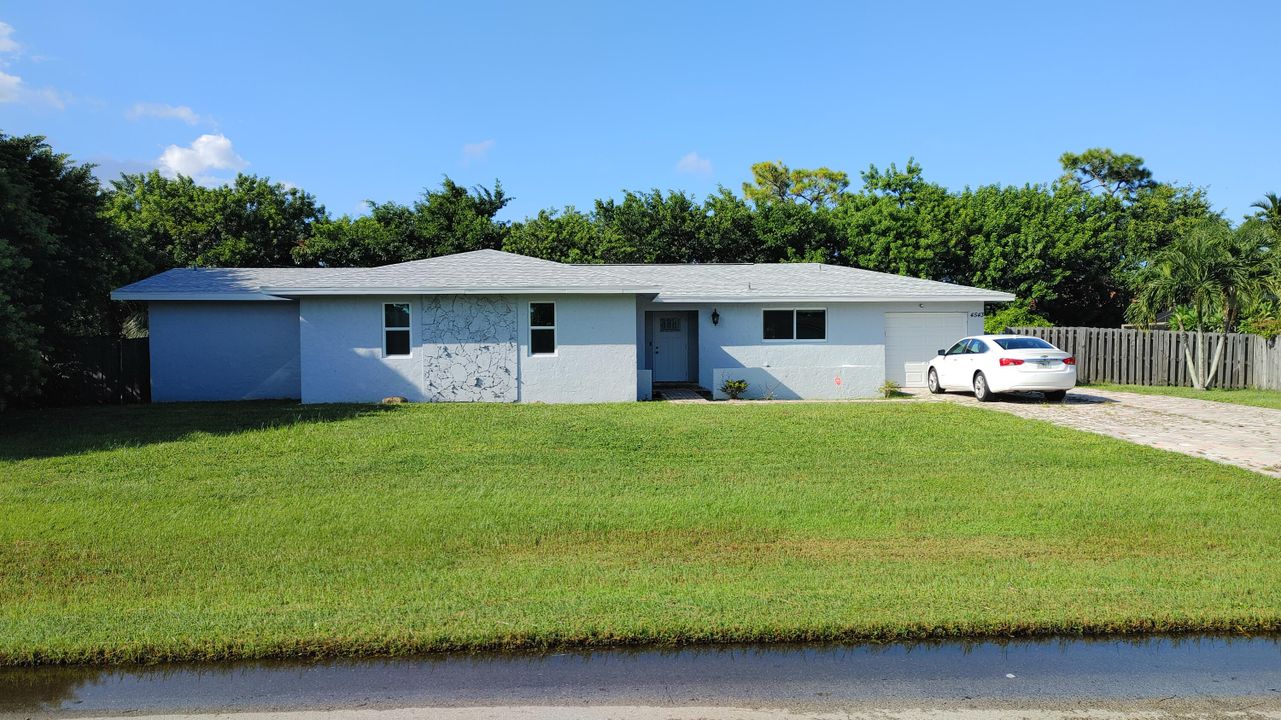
<point x="942" y="352"/>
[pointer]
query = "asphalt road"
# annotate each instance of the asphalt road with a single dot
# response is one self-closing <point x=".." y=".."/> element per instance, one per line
<point x="1159" y="677"/>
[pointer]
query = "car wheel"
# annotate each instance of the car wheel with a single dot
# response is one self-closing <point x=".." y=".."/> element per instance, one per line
<point x="932" y="381"/>
<point x="1056" y="396"/>
<point x="982" y="392"/>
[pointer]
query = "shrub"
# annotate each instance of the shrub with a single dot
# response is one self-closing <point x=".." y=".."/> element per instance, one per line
<point x="1015" y="314"/>
<point x="1265" y="320"/>
<point x="1268" y="327"/>
<point x="734" y="388"/>
<point x="889" y="388"/>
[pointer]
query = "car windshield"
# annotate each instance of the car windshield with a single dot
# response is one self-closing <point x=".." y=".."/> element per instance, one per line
<point x="1023" y="343"/>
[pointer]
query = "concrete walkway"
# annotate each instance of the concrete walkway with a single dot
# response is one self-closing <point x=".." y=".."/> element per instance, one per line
<point x="680" y="394"/>
<point x="1241" y="435"/>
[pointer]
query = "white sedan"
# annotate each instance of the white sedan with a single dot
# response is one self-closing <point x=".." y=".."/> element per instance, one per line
<point x="992" y="364"/>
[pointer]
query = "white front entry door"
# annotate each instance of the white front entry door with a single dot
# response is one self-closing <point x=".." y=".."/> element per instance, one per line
<point x="913" y="339"/>
<point x="671" y="347"/>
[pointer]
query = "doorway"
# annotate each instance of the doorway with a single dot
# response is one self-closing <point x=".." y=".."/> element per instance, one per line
<point x="672" y="333"/>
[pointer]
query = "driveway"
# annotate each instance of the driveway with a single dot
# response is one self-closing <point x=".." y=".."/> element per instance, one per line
<point x="1248" y="437"/>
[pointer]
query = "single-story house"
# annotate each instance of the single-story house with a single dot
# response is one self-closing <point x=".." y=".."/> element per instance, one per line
<point x="494" y="326"/>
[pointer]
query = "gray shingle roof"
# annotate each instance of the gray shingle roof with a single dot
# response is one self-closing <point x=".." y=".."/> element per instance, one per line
<point x="222" y="283"/>
<point x="786" y="281"/>
<point x="471" y="271"/>
<point x="495" y="271"/>
<point x="476" y="271"/>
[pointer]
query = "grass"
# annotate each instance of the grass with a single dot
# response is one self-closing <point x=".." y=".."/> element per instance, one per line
<point x="1257" y="398"/>
<point x="153" y="533"/>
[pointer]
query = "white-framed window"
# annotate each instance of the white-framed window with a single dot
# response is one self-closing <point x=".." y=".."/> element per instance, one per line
<point x="396" y="318"/>
<point x="791" y="324"/>
<point x="542" y="328"/>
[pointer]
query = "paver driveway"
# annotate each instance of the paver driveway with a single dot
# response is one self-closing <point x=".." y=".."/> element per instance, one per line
<point x="1249" y="437"/>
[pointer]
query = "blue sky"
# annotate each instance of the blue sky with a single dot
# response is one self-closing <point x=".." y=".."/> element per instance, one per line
<point x="567" y="102"/>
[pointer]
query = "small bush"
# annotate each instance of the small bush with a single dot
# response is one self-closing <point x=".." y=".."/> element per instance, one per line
<point x="1268" y="327"/>
<point x="889" y="389"/>
<point x="734" y="388"/>
<point x="1015" y="314"/>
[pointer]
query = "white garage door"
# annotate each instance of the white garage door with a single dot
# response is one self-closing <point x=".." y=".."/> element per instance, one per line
<point x="911" y="339"/>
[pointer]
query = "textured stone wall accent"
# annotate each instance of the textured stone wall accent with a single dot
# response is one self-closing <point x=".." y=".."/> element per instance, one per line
<point x="469" y="348"/>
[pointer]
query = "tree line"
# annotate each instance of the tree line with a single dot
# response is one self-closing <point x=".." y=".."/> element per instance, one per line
<point x="1075" y="250"/>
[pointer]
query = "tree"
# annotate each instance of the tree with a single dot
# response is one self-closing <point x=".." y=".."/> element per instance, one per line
<point x="1118" y="175"/>
<point x="900" y="223"/>
<point x="564" y="236"/>
<point x="789" y="232"/>
<point x="59" y="259"/>
<point x="650" y="227"/>
<point x="447" y="220"/>
<point x="775" y="182"/>
<point x="729" y="233"/>
<point x="1212" y="269"/>
<point x="1270" y="211"/>
<point x="175" y="222"/>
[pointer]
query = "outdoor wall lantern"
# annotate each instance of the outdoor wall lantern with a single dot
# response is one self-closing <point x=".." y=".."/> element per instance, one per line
<point x="716" y="317"/>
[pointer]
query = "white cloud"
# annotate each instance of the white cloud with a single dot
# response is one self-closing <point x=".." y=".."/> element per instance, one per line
<point x="694" y="164"/>
<point x="7" y="43"/>
<point x="161" y="110"/>
<point x="14" y="90"/>
<point x="207" y="152"/>
<point x="50" y="97"/>
<point x="475" y="152"/>
<point x="10" y="87"/>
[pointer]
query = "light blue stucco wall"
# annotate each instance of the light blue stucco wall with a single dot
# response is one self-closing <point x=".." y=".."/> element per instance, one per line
<point x="342" y="351"/>
<point x="595" y="359"/>
<point x="224" y="350"/>
<point x="329" y="349"/>
<point x="855" y="337"/>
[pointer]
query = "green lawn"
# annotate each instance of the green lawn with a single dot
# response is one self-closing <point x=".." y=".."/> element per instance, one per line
<point x="255" y="530"/>
<point x="1257" y="398"/>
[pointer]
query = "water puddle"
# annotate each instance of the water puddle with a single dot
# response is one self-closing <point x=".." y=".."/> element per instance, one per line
<point x="1155" y="667"/>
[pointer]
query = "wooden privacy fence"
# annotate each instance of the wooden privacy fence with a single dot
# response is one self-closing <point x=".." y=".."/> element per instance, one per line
<point x="1155" y="357"/>
<point x="99" y="370"/>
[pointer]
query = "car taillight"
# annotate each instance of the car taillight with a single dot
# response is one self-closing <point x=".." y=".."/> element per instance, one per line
<point x="1005" y="362"/>
<point x="1069" y="361"/>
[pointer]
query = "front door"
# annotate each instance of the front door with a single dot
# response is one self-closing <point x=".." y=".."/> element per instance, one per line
<point x="671" y="347"/>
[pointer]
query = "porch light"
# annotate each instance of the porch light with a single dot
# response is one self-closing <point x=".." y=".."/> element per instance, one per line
<point x="716" y="317"/>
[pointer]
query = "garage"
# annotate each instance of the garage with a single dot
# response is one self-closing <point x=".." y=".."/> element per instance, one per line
<point x="911" y="339"/>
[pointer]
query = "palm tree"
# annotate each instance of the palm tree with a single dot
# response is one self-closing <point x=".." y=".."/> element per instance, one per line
<point x="1208" y="267"/>
<point x="1270" y="210"/>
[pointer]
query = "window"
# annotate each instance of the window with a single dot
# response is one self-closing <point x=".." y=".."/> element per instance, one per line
<point x="811" y="324"/>
<point x="976" y="347"/>
<point x="1023" y="343"/>
<point x="778" y="325"/>
<point x="959" y="347"/>
<point x="808" y="324"/>
<point x="669" y="324"/>
<point x="395" y="329"/>
<point x="542" y="328"/>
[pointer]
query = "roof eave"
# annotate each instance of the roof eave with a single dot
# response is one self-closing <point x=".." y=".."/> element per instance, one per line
<point x="506" y="290"/>
<point x="988" y="297"/>
<point x="156" y="296"/>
